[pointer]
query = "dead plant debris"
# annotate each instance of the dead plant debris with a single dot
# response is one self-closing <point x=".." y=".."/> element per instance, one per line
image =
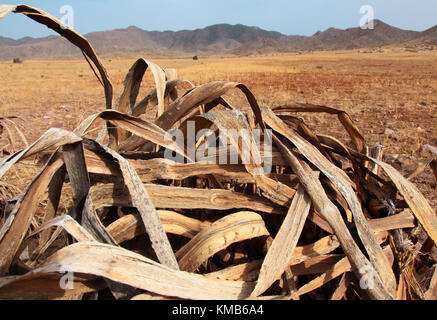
<point x="330" y="220"/>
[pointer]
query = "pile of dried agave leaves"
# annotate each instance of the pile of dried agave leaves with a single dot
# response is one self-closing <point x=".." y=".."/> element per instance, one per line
<point x="330" y="222"/>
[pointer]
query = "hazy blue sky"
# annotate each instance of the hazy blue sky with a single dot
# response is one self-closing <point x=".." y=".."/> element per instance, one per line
<point x="303" y="17"/>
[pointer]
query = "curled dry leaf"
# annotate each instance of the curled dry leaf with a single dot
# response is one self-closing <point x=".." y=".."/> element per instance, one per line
<point x="283" y="245"/>
<point x="167" y="197"/>
<point x="218" y="236"/>
<point x="76" y="39"/>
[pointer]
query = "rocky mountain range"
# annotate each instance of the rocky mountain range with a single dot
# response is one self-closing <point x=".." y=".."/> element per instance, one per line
<point x="217" y="39"/>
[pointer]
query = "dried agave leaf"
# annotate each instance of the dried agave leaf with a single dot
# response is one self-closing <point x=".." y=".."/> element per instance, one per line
<point x="43" y="246"/>
<point x="11" y="137"/>
<point x="83" y="208"/>
<point x="125" y="267"/>
<point x="165" y="169"/>
<point x="141" y="200"/>
<point x="65" y="31"/>
<point x="77" y="172"/>
<point x="131" y="88"/>
<point x="402" y="292"/>
<point x="344" y="185"/>
<point x="323" y="246"/>
<point x="341" y="288"/>
<point x="402" y="220"/>
<point x="5" y="9"/>
<point x="191" y="100"/>
<point x="275" y="156"/>
<point x="131" y="226"/>
<point x="414" y="198"/>
<point x="335" y="271"/>
<point x="167" y="197"/>
<point x="20" y="133"/>
<point x="18" y="223"/>
<point x="68" y="224"/>
<point x="332" y="215"/>
<point x="75" y="162"/>
<point x="218" y="236"/>
<point x="7" y="123"/>
<point x="308" y="151"/>
<point x="170" y="74"/>
<point x="53" y="199"/>
<point x="433" y="165"/>
<point x="91" y="221"/>
<point x="281" y="250"/>
<point x="52" y="138"/>
<point x="139" y="127"/>
<point x="151" y="99"/>
<point x="344" y="118"/>
<point x="132" y="84"/>
<point x="319" y="221"/>
<point x="336" y="197"/>
<point x="248" y="271"/>
<point x="157" y="169"/>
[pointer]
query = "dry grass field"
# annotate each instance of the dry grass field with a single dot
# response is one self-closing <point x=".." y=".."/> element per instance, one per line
<point x="391" y="90"/>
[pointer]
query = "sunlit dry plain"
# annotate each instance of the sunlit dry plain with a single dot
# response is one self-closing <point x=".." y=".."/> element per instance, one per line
<point x="394" y="90"/>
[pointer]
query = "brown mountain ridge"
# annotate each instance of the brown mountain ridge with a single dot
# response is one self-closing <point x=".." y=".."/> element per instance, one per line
<point x="217" y="39"/>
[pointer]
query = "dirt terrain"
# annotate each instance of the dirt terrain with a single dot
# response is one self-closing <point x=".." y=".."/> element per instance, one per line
<point x="392" y="95"/>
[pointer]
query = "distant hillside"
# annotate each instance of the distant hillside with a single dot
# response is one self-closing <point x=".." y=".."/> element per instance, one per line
<point x="353" y="38"/>
<point x="6" y="41"/>
<point x="217" y="39"/>
<point x="260" y="46"/>
<point x="428" y="37"/>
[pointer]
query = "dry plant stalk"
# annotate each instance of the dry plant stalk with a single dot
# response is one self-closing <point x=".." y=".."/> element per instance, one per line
<point x="146" y="227"/>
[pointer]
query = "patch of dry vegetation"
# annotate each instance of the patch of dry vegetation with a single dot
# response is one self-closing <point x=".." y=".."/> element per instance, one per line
<point x="141" y="226"/>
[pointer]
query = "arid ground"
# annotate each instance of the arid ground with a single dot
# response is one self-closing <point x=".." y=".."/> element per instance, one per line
<point x="392" y="96"/>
